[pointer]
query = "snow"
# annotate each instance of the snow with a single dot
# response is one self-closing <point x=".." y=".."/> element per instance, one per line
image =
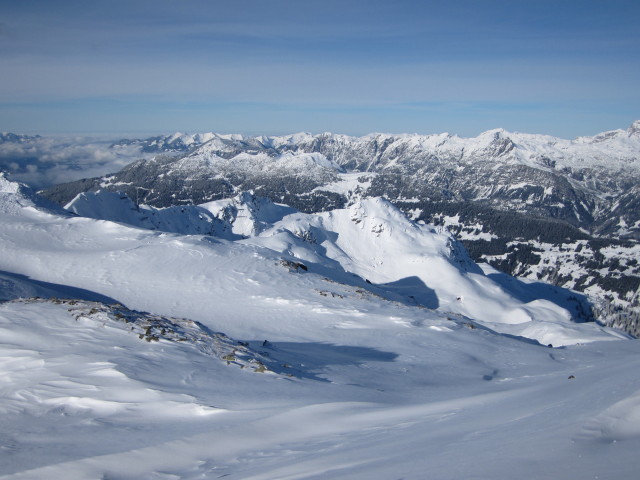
<point x="621" y="421"/>
<point x="212" y="156"/>
<point x="375" y="241"/>
<point x="118" y="207"/>
<point x="349" y="184"/>
<point x="456" y="402"/>
<point x="617" y="150"/>
<point x="246" y="214"/>
<point x="371" y="241"/>
<point x="361" y="381"/>
<point x="561" y="260"/>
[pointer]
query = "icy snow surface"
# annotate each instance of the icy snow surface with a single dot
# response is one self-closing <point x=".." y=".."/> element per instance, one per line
<point x="396" y="378"/>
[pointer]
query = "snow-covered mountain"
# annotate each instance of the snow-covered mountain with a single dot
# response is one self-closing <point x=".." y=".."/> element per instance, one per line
<point x="581" y="181"/>
<point x="175" y="143"/>
<point x="373" y="242"/>
<point x="346" y="344"/>
<point x="521" y="202"/>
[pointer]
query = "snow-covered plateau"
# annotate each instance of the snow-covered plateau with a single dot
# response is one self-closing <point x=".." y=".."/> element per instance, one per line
<point x="263" y="343"/>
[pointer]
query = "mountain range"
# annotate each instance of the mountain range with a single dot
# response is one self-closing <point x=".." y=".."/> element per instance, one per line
<point x="561" y="211"/>
<point x="242" y="338"/>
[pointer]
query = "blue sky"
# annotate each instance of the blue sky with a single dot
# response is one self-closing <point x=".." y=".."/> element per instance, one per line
<point x="565" y="68"/>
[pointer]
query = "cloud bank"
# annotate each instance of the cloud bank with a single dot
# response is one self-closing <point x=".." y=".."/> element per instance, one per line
<point x="44" y="161"/>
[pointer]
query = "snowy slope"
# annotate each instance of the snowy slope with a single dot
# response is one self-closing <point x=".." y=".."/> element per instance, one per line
<point x="364" y="384"/>
<point x="375" y="241"/>
<point x="16" y="196"/>
<point x="244" y="215"/>
<point x="118" y="207"/>
<point x="502" y="187"/>
<point x="88" y="400"/>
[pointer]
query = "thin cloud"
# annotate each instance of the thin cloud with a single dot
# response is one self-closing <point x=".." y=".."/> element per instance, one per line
<point x="120" y="62"/>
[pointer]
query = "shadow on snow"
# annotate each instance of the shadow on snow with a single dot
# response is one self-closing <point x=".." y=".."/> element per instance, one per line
<point x="576" y="303"/>
<point x="309" y="360"/>
<point x="14" y="285"/>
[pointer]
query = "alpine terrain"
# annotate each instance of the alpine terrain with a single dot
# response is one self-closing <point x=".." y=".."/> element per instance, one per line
<point x="238" y="337"/>
<point x="564" y="212"/>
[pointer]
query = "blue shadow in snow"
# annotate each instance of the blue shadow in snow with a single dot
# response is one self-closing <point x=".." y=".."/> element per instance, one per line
<point x="413" y="288"/>
<point x="308" y="360"/>
<point x="576" y="303"/>
<point x="14" y="285"/>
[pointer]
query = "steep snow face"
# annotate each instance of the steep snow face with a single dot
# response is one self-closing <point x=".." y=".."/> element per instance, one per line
<point x="427" y="267"/>
<point x="15" y="196"/>
<point x="8" y="187"/>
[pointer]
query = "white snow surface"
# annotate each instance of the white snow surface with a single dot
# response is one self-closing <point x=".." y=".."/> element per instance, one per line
<point x="367" y="381"/>
<point x="246" y="214"/>
<point x="422" y="265"/>
<point x="371" y="239"/>
<point x="118" y="207"/>
<point x="614" y="150"/>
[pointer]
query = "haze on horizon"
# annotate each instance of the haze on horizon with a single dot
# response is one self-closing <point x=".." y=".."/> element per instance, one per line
<point x="274" y="67"/>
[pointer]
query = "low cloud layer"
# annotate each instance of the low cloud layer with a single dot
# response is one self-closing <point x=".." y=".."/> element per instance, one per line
<point x="44" y="161"/>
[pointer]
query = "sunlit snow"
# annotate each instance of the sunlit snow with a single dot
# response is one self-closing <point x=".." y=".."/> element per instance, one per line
<point x="387" y="354"/>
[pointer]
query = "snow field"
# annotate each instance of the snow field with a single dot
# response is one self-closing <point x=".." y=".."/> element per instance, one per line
<point x="366" y="381"/>
<point x="459" y="402"/>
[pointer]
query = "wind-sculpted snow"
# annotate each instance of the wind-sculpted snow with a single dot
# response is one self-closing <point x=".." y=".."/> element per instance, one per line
<point x="158" y="328"/>
<point x="375" y="241"/>
<point x="342" y="378"/>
